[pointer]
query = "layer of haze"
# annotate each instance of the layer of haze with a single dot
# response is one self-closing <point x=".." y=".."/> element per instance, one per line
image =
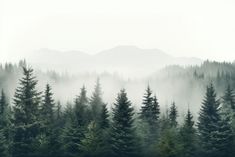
<point x="203" y="29"/>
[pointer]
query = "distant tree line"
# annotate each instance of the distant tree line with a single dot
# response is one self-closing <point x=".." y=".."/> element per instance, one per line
<point x="37" y="126"/>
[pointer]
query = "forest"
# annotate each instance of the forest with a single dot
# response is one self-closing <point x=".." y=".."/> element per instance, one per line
<point x="34" y="124"/>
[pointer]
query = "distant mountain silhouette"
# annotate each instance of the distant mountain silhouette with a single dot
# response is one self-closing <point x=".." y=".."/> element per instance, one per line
<point x="126" y="60"/>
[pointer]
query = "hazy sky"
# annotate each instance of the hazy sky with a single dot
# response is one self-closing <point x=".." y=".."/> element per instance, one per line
<point x="195" y="28"/>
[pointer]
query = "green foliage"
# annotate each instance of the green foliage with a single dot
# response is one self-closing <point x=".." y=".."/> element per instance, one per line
<point x="93" y="144"/>
<point x="96" y="102"/>
<point x="81" y="111"/>
<point x="173" y="115"/>
<point x="188" y="137"/>
<point x="26" y="114"/>
<point x="123" y="136"/>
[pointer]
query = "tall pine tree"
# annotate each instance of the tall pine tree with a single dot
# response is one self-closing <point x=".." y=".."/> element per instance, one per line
<point x="123" y="138"/>
<point x="26" y="115"/>
<point x="211" y="128"/>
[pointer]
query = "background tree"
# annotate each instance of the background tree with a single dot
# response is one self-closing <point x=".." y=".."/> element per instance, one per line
<point x="96" y="102"/>
<point x="81" y="111"/>
<point x="173" y="115"/>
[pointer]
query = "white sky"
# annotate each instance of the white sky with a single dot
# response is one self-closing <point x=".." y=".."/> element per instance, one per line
<point x="190" y="28"/>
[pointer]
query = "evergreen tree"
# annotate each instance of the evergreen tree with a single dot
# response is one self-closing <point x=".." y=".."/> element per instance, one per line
<point x="168" y="145"/>
<point x="228" y="111"/>
<point x="46" y="139"/>
<point x="4" y="126"/>
<point x="104" y="121"/>
<point x="188" y="136"/>
<point x="47" y="108"/>
<point x="209" y="123"/>
<point x="96" y="102"/>
<point x="147" y="108"/>
<point x="173" y="115"/>
<point x="81" y="112"/>
<point x="150" y="112"/>
<point x="26" y="115"/>
<point x="123" y="138"/>
<point x="4" y="147"/>
<point x="72" y="134"/>
<point x="229" y="99"/>
<point x="93" y="144"/>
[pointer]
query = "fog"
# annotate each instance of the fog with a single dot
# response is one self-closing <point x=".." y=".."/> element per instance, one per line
<point x="184" y="85"/>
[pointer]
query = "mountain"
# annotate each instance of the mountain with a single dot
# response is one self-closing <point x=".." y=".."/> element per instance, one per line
<point x="126" y="60"/>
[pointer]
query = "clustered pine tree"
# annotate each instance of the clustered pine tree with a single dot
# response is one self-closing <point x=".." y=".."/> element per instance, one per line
<point x="37" y="126"/>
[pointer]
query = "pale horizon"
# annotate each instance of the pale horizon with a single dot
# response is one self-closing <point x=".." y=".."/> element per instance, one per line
<point x="202" y="29"/>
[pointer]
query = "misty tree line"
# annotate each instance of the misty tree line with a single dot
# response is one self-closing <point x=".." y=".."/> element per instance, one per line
<point x="34" y="125"/>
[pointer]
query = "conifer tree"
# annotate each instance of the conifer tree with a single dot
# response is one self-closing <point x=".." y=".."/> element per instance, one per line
<point x="208" y="123"/>
<point x="4" y="150"/>
<point x="168" y="145"/>
<point x="93" y="144"/>
<point x="104" y="121"/>
<point x="46" y="138"/>
<point x="96" y="102"/>
<point x="123" y="138"/>
<point x="72" y="134"/>
<point x="188" y="136"/>
<point x="228" y="111"/>
<point x="4" y="126"/>
<point x="146" y="113"/>
<point x="229" y="99"/>
<point x="149" y="115"/>
<point x="47" y="108"/>
<point x="81" y="112"/>
<point x="173" y="115"/>
<point x="26" y="114"/>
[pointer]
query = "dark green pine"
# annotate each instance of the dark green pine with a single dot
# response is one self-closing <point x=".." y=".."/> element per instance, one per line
<point x="208" y="122"/>
<point x="80" y="108"/>
<point x="26" y="114"/>
<point x="188" y="136"/>
<point x="123" y="138"/>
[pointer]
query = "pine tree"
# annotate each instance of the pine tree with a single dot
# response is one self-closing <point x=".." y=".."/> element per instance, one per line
<point x="4" y="150"/>
<point x="147" y="108"/>
<point x="168" y="145"/>
<point x="123" y="138"/>
<point x="26" y="114"/>
<point x="47" y="108"/>
<point x="72" y="134"/>
<point x="188" y="136"/>
<point x="4" y="112"/>
<point x="96" y="102"/>
<point x="81" y="112"/>
<point x="225" y="136"/>
<point x="4" y="125"/>
<point x="93" y="144"/>
<point x="208" y="123"/>
<point x="229" y="99"/>
<point x="104" y="121"/>
<point x="46" y="139"/>
<point x="149" y="115"/>
<point x="173" y="115"/>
